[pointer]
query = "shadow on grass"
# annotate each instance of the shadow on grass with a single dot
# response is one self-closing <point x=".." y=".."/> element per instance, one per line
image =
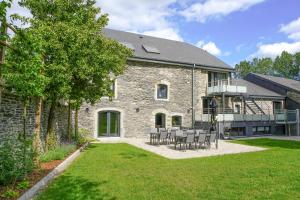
<point x="70" y="187"/>
<point x="265" y="142"/>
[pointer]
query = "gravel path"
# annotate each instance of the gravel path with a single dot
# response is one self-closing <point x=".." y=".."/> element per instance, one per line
<point x="168" y="151"/>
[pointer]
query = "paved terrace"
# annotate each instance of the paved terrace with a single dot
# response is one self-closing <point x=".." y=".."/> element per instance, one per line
<point x="168" y="151"/>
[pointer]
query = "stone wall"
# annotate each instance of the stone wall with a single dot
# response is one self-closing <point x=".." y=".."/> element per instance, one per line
<point x="11" y="112"/>
<point x="136" y="101"/>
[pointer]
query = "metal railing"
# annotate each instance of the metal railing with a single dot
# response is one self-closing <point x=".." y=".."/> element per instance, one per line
<point x="225" y="85"/>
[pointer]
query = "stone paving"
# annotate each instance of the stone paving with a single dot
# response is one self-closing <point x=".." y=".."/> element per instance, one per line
<point x="168" y="151"/>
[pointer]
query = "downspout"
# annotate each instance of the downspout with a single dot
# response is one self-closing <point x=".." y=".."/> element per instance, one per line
<point x="193" y="96"/>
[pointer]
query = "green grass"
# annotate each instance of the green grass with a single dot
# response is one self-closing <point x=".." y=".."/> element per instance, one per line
<point x="59" y="153"/>
<point x="121" y="171"/>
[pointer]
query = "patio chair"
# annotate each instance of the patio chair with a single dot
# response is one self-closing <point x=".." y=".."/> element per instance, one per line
<point x="163" y="137"/>
<point x="201" y="138"/>
<point x="161" y="129"/>
<point x="190" y="139"/>
<point x="178" y="138"/>
<point x="213" y="138"/>
<point x="153" y="135"/>
<point x="172" y="135"/>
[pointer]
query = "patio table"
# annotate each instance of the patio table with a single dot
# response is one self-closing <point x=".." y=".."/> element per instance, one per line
<point x="180" y="138"/>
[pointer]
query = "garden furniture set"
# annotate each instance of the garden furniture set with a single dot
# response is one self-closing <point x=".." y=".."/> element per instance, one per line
<point x="184" y="138"/>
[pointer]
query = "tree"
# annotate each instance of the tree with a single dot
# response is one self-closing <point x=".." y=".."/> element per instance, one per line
<point x="257" y="65"/>
<point x="243" y="68"/>
<point x="78" y="58"/>
<point x="22" y="72"/>
<point x="284" y="65"/>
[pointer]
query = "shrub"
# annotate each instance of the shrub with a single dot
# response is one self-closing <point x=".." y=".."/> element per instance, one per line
<point x="84" y="136"/>
<point x="23" y="185"/>
<point x="51" y="141"/>
<point x="10" y="194"/>
<point x="58" y="154"/>
<point x="16" y="158"/>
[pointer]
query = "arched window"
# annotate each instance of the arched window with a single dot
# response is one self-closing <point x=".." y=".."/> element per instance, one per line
<point x="162" y="91"/>
<point x="176" y="121"/>
<point x="160" y="120"/>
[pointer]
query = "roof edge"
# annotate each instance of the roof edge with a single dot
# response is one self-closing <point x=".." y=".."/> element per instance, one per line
<point x="168" y="62"/>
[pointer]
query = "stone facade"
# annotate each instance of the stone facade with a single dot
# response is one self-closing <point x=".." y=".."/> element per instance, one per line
<point x="11" y="112"/>
<point x="136" y="101"/>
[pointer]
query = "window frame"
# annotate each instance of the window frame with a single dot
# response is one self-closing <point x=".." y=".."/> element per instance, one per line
<point x="156" y="91"/>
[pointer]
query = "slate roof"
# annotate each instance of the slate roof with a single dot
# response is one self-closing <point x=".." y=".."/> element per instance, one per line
<point x="255" y="90"/>
<point x="169" y="50"/>
<point x="283" y="82"/>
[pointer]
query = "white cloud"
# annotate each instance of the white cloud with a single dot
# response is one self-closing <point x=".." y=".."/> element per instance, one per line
<point x="292" y="29"/>
<point x="216" y="8"/>
<point x="274" y="49"/>
<point x="144" y="16"/>
<point x="210" y="47"/>
<point x="168" y="33"/>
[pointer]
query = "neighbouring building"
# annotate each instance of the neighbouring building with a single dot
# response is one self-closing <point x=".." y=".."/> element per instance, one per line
<point x="286" y="87"/>
<point x="170" y="83"/>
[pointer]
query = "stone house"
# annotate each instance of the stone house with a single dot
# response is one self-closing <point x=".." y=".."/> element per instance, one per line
<point x="170" y="83"/>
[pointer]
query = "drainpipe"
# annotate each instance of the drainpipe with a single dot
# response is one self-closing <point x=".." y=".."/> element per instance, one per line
<point x="193" y="96"/>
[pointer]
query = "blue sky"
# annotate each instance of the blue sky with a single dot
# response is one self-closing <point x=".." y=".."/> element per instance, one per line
<point x="233" y="30"/>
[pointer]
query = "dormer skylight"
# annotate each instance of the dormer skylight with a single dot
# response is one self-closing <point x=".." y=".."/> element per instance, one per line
<point x="150" y="49"/>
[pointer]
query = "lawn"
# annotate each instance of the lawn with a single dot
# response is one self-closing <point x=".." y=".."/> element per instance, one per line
<point x="121" y="171"/>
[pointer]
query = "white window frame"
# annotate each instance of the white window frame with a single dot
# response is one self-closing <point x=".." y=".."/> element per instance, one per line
<point x="168" y="90"/>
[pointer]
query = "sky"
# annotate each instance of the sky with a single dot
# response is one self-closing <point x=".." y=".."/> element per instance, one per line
<point x="232" y="30"/>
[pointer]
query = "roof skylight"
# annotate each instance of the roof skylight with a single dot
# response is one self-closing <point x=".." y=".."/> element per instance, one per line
<point x="150" y="49"/>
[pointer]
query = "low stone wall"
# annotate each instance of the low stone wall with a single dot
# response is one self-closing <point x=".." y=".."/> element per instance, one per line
<point x="11" y="112"/>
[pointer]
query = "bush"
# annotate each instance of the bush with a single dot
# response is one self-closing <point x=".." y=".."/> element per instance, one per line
<point x="84" y="136"/>
<point x="51" y="141"/>
<point x="58" y="154"/>
<point x="10" y="194"/>
<point x="16" y="158"/>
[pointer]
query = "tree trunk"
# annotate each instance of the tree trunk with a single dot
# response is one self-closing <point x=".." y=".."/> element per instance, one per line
<point x="51" y="118"/>
<point x="76" y="124"/>
<point x="69" y="122"/>
<point x="24" y="118"/>
<point x="37" y="144"/>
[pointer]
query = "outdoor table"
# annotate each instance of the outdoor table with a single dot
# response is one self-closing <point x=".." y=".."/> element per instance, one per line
<point x="180" y="138"/>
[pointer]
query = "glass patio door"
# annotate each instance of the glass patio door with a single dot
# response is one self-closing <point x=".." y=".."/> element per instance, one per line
<point x="108" y="124"/>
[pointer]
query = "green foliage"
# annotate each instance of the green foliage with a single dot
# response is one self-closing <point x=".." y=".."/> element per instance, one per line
<point x="51" y="141"/>
<point x="58" y="153"/>
<point x="23" y="69"/>
<point x="23" y="185"/>
<point x="84" y="136"/>
<point x="286" y="65"/>
<point x="16" y="159"/>
<point x="10" y="194"/>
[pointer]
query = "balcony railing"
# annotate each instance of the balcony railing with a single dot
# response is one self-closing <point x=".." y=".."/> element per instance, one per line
<point x="226" y="85"/>
<point x="229" y="115"/>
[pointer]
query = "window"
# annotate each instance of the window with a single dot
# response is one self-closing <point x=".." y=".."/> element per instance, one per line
<point x="214" y="77"/>
<point x="162" y="91"/>
<point x="160" y="120"/>
<point x="176" y="121"/>
<point x="277" y="106"/>
<point x="260" y="130"/>
<point x="237" y="108"/>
